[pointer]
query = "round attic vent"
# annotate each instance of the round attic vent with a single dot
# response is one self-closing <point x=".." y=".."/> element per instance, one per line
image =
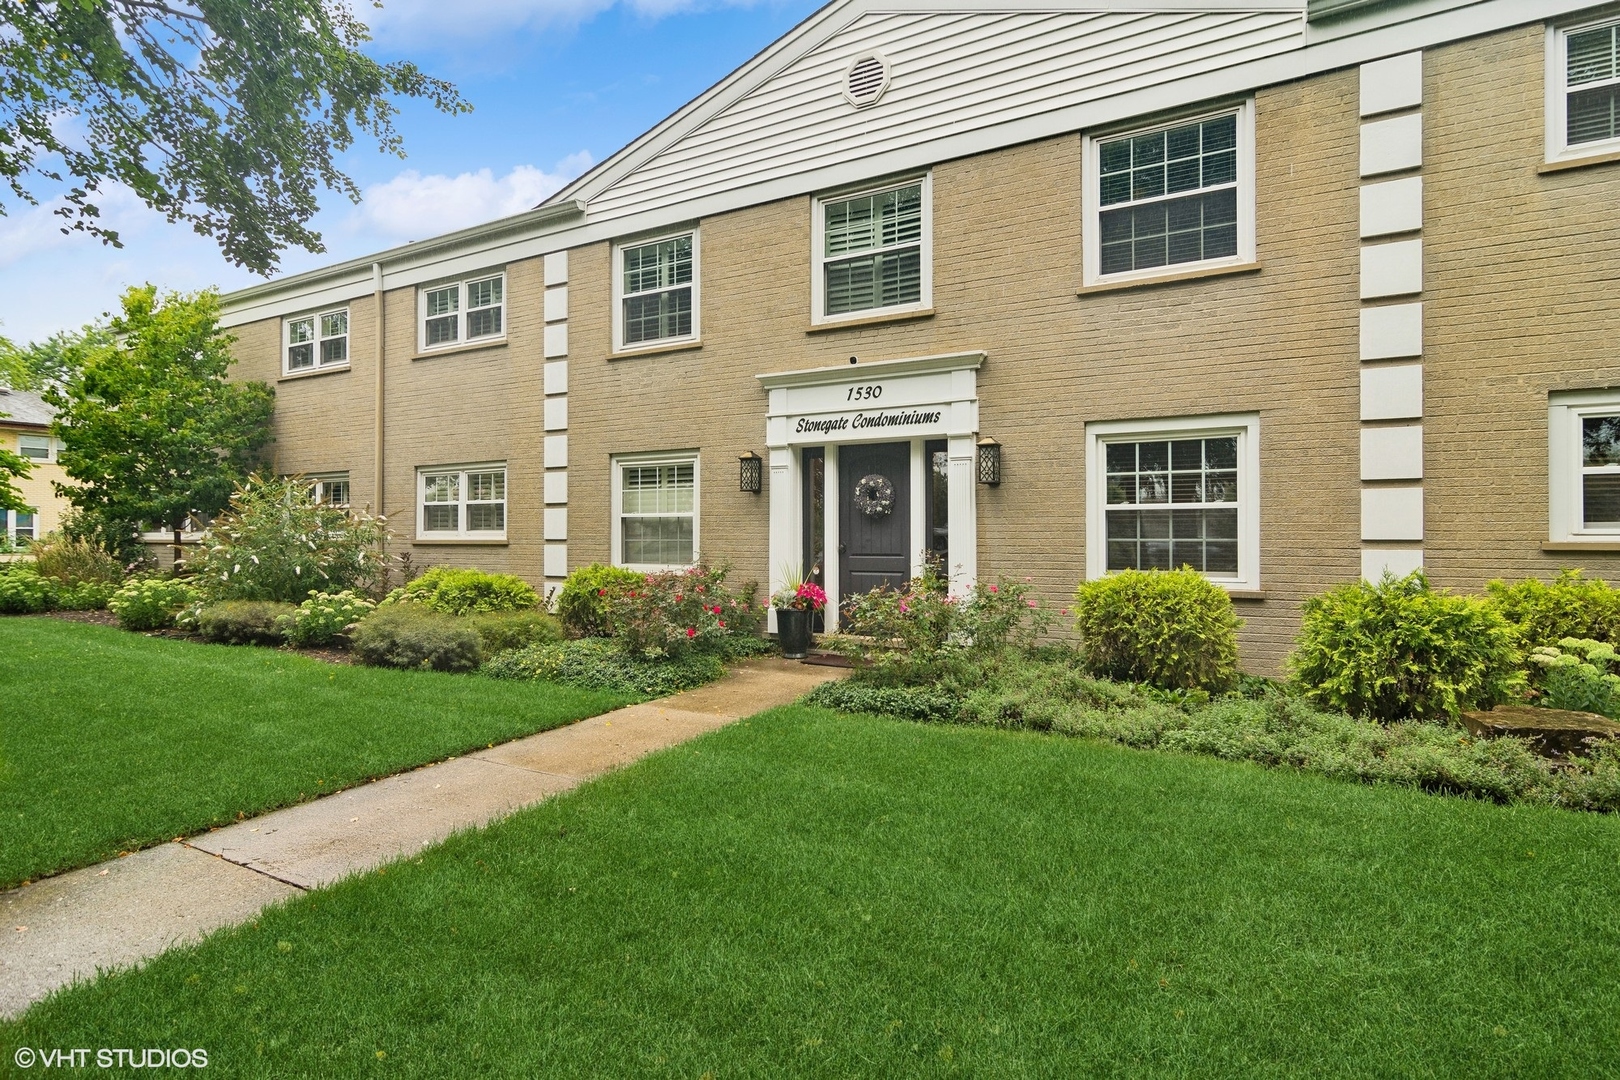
<point x="865" y="79"/>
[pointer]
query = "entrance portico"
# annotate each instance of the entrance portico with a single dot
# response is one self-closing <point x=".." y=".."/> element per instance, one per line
<point x="893" y="410"/>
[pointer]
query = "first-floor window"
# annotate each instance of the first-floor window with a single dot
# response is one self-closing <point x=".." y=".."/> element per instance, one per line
<point x="1171" y="494"/>
<point x="655" y="511"/>
<point x="17" y="527"/>
<point x="329" y="488"/>
<point x="462" y="502"/>
<point x="1584" y="430"/>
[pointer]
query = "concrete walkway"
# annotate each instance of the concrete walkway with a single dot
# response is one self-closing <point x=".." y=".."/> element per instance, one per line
<point x="124" y="911"/>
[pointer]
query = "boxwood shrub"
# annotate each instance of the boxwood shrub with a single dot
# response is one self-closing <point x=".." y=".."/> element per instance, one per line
<point x="1399" y="650"/>
<point x="245" y="622"/>
<point x="500" y="631"/>
<point x="585" y="602"/>
<point x="413" y="636"/>
<point x="1172" y="628"/>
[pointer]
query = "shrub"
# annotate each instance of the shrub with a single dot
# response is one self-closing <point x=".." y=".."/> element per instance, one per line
<point x="1172" y="628"/>
<point x="675" y="612"/>
<point x="23" y="591"/>
<point x="501" y="631"/>
<point x="151" y="603"/>
<point x="413" y="636"/>
<point x="244" y="622"/>
<point x="323" y="617"/>
<point x="922" y="635"/>
<point x="905" y="702"/>
<point x="1399" y="650"/>
<point x="585" y="602"/>
<point x="273" y="543"/>
<point x="73" y="562"/>
<point x="598" y="664"/>
<point x="85" y="596"/>
<point x="1577" y="673"/>
<point x="1569" y="607"/>
<point x="453" y="591"/>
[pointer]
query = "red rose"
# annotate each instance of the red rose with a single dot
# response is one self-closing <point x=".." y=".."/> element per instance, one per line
<point x="722" y="624"/>
<point x="691" y="631"/>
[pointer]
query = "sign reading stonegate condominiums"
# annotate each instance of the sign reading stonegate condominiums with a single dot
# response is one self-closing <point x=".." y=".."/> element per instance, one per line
<point x="864" y="421"/>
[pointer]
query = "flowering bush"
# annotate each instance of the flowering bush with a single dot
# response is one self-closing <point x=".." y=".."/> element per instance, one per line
<point x="321" y="618"/>
<point x="922" y="634"/>
<point x="23" y="591"/>
<point x="675" y="612"/>
<point x="1577" y="673"/>
<point x="274" y="543"/>
<point x="151" y="603"/>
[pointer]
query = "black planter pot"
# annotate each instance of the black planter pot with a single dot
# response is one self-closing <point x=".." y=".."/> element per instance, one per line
<point x="793" y="632"/>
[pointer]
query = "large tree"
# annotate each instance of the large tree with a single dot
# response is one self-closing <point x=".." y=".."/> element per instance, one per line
<point x="153" y="432"/>
<point x="227" y="114"/>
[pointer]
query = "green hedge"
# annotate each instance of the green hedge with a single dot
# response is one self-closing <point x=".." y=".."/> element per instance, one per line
<point x="598" y="664"/>
<point x="412" y="636"/>
<point x="1171" y="628"/>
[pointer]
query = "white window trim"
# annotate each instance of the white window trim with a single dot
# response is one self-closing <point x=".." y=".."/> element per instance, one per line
<point x="461" y="341"/>
<point x="818" y="257"/>
<point x="462" y="532"/>
<point x="8" y="525"/>
<point x="1091" y="197"/>
<point x="52" y="446"/>
<point x="618" y="291"/>
<point x="1246" y="426"/>
<point x="616" y="523"/>
<point x="286" y="341"/>
<point x="319" y="481"/>
<point x="1557" y="106"/>
<point x="1565" y="411"/>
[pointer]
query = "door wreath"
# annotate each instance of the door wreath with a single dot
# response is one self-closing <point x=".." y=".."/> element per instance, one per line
<point x="874" y="495"/>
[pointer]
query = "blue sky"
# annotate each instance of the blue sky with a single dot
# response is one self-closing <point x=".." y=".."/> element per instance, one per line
<point x="556" y="86"/>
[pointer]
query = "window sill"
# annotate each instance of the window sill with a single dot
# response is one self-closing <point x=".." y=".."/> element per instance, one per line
<point x="1246" y="594"/>
<point x="451" y="350"/>
<point x="1565" y="164"/>
<point x="333" y="370"/>
<point x="1170" y="279"/>
<point x="871" y="320"/>
<point x="1596" y="547"/>
<point x="502" y="542"/>
<point x="656" y="350"/>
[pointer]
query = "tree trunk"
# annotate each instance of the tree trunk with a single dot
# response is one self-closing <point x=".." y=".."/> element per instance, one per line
<point x="179" y="550"/>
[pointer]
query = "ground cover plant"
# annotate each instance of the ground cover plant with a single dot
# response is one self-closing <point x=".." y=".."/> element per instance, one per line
<point x="807" y="894"/>
<point x="122" y="740"/>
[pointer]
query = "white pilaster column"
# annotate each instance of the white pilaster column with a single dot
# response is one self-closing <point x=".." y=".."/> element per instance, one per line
<point x="963" y="480"/>
<point x="784" y="491"/>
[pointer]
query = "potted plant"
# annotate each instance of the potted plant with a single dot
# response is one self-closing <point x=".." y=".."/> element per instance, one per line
<point x="795" y="603"/>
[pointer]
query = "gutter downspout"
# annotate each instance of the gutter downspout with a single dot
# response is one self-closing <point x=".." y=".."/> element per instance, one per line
<point x="377" y="444"/>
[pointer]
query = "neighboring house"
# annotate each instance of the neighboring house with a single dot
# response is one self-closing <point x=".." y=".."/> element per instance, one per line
<point x="1287" y="293"/>
<point x="25" y="429"/>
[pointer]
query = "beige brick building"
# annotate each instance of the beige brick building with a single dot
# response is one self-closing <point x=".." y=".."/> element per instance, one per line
<point x="1288" y="294"/>
<point x="25" y="430"/>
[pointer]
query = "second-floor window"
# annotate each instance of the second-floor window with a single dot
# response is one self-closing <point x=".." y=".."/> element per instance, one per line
<point x="657" y="285"/>
<point x="458" y="312"/>
<point x="37" y="447"/>
<point x="1586" y="61"/>
<point x="1170" y="198"/>
<point x="872" y="252"/>
<point x="312" y="342"/>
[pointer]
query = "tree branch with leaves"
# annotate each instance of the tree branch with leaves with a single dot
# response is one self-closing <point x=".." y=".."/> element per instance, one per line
<point x="225" y="114"/>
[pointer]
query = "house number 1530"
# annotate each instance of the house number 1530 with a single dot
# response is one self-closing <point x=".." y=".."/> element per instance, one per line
<point x="864" y="393"/>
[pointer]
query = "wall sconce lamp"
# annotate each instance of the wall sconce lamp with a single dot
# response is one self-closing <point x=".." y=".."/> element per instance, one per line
<point x="750" y="473"/>
<point x="989" y="461"/>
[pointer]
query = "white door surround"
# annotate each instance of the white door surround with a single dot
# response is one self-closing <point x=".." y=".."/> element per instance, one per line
<point x="911" y="400"/>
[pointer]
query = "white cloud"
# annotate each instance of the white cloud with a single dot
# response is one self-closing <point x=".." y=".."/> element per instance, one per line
<point x="413" y="207"/>
<point x="34" y="229"/>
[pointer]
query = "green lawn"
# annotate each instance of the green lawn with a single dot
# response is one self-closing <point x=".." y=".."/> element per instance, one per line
<point x="813" y="894"/>
<point x="111" y="741"/>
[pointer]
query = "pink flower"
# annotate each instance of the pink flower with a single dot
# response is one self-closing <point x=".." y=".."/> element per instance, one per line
<point x="1033" y="603"/>
<point x="691" y="631"/>
<point x="1063" y="611"/>
<point x="677" y="598"/>
<point x="994" y="589"/>
<point x="722" y="624"/>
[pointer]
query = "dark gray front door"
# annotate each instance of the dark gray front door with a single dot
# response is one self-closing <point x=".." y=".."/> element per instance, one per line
<point x="874" y="548"/>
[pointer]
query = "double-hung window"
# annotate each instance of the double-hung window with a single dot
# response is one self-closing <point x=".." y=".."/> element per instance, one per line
<point x="17" y="527"/>
<point x="315" y="342"/>
<point x="656" y="285"/>
<point x="1167" y="494"/>
<point x="329" y="488"/>
<point x="1584" y="438"/>
<point x="1169" y="199"/>
<point x="655" y="511"/>
<point x="462" y="312"/>
<point x="461" y="502"/>
<point x="873" y="252"/>
<point x="1583" y="86"/>
<point x="37" y="447"/>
